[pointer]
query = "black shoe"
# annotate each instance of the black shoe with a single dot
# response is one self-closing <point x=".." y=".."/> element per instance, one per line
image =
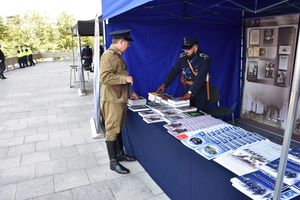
<point x="3" y="77"/>
<point x="117" y="167"/>
<point x="123" y="157"/>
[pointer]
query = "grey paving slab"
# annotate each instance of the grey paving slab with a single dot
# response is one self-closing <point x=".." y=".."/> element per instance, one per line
<point x="51" y="167"/>
<point x="161" y="196"/>
<point x="47" y="145"/>
<point x="36" y="138"/>
<point x="7" y="135"/>
<point x="155" y="189"/>
<point x="48" y="129"/>
<point x="24" y="132"/>
<point x="63" y="152"/>
<point x="80" y="162"/>
<point x="7" y="192"/>
<point x="10" y="162"/>
<point x="101" y="173"/>
<point x="70" y="180"/>
<point x="36" y="157"/>
<point x="12" y="141"/>
<point x="35" y="187"/>
<point x="21" y="149"/>
<point x="72" y="140"/>
<point x="17" y="174"/>
<point x="59" y="134"/>
<point x="89" y="148"/>
<point x="129" y="187"/>
<point x="97" y="191"/>
<point x="3" y="152"/>
<point x="65" y="195"/>
<point x="101" y="157"/>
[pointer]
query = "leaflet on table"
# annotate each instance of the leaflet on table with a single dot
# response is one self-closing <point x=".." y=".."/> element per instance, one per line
<point x="152" y="104"/>
<point x="138" y="108"/>
<point x="176" y="132"/>
<point x="153" y="119"/>
<point x="172" y="118"/>
<point x="289" y="193"/>
<point x="194" y="139"/>
<point x="294" y="154"/>
<point x="292" y="170"/>
<point x="147" y="113"/>
<point x="212" y="149"/>
<point x="256" y="185"/>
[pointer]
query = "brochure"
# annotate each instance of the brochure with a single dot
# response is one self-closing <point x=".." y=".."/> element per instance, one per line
<point x="147" y="113"/>
<point x="136" y="102"/>
<point x="186" y="109"/>
<point x="153" y="119"/>
<point x="138" y="108"/>
<point x="256" y="185"/>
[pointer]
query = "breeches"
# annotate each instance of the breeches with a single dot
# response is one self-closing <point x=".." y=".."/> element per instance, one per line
<point x="2" y="68"/>
<point x="114" y="118"/>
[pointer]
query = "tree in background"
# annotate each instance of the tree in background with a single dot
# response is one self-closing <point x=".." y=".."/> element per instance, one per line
<point x="36" y="31"/>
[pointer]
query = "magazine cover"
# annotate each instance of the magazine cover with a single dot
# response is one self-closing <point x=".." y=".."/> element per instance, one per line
<point x="256" y="185"/>
<point x="146" y="113"/>
<point x="212" y="150"/>
<point x="195" y="140"/>
<point x="153" y="119"/>
<point x="138" y="108"/>
<point x="292" y="171"/>
<point x="294" y="154"/>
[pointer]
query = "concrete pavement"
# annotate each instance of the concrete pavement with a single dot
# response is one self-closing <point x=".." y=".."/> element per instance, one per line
<point x="46" y="149"/>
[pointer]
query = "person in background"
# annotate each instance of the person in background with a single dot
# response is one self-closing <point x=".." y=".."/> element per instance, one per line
<point x="2" y="63"/>
<point x="115" y="87"/>
<point x="193" y="65"/>
<point x="87" y="56"/>
<point x="29" y="56"/>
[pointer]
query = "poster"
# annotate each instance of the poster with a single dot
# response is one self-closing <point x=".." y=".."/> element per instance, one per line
<point x="269" y="66"/>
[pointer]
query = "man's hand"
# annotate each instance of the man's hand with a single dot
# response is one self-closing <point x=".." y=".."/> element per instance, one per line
<point x="129" y="80"/>
<point x="134" y="96"/>
<point x="161" y="88"/>
<point x="186" y="96"/>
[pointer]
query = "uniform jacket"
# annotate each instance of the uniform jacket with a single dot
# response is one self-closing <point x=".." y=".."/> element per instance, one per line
<point x="200" y="63"/>
<point x="2" y="57"/>
<point x="113" y="77"/>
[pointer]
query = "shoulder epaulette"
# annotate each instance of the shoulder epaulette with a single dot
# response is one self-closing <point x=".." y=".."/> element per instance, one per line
<point x="182" y="55"/>
<point x="110" y="51"/>
<point x="203" y="55"/>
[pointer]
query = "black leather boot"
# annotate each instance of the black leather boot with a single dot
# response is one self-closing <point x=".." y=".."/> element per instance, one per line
<point x="113" y="163"/>
<point x="121" y="156"/>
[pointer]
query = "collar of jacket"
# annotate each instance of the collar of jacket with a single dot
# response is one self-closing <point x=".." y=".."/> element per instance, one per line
<point x="115" y="49"/>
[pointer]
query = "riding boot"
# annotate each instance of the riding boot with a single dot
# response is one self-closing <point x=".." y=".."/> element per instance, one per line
<point x="121" y="156"/>
<point x="113" y="162"/>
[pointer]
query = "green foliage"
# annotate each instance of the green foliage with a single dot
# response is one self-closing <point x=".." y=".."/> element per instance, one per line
<point x="38" y="32"/>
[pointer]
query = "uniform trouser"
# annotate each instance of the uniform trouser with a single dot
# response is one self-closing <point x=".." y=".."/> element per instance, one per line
<point x="114" y="118"/>
<point x="2" y="68"/>
<point x="30" y="60"/>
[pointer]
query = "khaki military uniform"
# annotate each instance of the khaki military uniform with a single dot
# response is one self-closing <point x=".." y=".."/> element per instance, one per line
<point x="114" y="91"/>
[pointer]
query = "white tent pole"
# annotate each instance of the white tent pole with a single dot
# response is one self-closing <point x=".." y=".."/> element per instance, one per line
<point x="289" y="123"/>
<point x="104" y="33"/>
<point x="96" y="62"/>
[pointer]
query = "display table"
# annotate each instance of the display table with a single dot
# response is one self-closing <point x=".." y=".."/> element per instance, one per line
<point x="179" y="171"/>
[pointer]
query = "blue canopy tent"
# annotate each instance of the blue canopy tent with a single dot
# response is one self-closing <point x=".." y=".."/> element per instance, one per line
<point x="160" y="25"/>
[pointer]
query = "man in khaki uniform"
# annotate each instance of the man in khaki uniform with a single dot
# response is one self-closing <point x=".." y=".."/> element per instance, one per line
<point x="115" y="84"/>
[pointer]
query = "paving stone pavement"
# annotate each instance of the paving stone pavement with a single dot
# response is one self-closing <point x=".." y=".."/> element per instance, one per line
<point x="46" y="149"/>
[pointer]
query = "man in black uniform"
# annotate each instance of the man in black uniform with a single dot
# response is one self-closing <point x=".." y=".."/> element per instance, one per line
<point x="2" y="64"/>
<point x="87" y="56"/>
<point x="193" y="65"/>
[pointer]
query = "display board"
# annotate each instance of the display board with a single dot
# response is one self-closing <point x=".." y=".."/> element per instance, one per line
<point x="269" y="69"/>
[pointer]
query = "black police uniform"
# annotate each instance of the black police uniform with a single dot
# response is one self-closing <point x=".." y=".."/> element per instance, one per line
<point x="2" y="64"/>
<point x="200" y="63"/>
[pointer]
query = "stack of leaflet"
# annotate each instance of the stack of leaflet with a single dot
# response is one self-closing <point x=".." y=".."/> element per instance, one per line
<point x="260" y="184"/>
<point x="257" y="185"/>
<point x="152" y="96"/>
<point x="217" y="140"/>
<point x="192" y="124"/>
<point x="138" y="108"/>
<point x="137" y="102"/>
<point x="250" y="158"/>
<point x="184" y="109"/>
<point x="153" y="119"/>
<point x="178" y="102"/>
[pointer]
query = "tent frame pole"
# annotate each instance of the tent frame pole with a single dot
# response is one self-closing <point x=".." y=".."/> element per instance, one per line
<point x="289" y="123"/>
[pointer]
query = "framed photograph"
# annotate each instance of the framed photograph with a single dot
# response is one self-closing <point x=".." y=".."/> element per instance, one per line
<point x="253" y="52"/>
<point x="254" y="37"/>
<point x="283" y="62"/>
<point x="252" y="70"/>
<point x="268" y="36"/>
<point x="269" y="70"/>
<point x="284" y="49"/>
<point x="262" y="52"/>
<point x="281" y="78"/>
